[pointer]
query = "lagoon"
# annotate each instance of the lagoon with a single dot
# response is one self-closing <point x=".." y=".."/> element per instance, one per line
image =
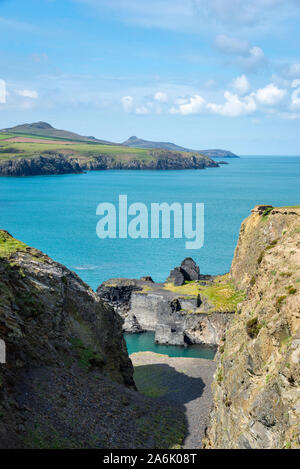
<point x="144" y="342"/>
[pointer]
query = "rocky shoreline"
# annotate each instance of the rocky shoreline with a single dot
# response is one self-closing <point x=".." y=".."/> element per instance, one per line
<point x="52" y="162"/>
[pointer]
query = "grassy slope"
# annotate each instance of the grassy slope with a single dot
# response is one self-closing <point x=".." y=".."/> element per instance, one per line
<point x="85" y="150"/>
<point x="49" y="132"/>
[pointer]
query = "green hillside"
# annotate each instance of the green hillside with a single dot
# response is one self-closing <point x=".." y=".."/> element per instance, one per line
<point x="43" y="129"/>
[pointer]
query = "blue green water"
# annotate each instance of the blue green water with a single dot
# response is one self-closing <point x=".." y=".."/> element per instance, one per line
<point x="57" y="214"/>
<point x="145" y="342"/>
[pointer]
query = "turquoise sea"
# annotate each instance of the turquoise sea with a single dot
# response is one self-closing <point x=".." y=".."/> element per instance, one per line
<point x="145" y="342"/>
<point x="57" y="214"/>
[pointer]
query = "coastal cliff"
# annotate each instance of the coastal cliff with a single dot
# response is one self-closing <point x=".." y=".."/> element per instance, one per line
<point x="13" y="163"/>
<point x="256" y="385"/>
<point x="68" y="381"/>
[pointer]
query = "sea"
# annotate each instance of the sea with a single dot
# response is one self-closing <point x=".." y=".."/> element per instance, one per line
<point x="57" y="214"/>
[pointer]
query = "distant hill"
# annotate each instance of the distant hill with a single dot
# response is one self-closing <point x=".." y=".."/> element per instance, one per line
<point x="43" y="129"/>
<point x="140" y="143"/>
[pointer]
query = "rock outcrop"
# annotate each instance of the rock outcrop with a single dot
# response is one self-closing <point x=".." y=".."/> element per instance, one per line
<point x="256" y="386"/>
<point x="180" y="313"/>
<point x="68" y="380"/>
<point x="188" y="271"/>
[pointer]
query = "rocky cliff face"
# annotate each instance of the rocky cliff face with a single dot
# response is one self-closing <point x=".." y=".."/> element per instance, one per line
<point x="189" y="313"/>
<point x="256" y="386"/>
<point x="68" y="380"/>
<point x="38" y="166"/>
<point x="52" y="162"/>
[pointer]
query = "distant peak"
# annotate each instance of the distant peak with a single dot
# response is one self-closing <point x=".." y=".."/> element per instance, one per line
<point x="132" y="139"/>
<point x="41" y="125"/>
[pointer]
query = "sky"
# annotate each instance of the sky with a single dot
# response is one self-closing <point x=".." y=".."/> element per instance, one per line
<point x="199" y="73"/>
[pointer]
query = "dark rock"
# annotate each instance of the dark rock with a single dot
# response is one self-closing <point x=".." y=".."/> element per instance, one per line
<point x="188" y="271"/>
<point x="147" y="278"/>
<point x="52" y="162"/>
<point x="177" y="276"/>
<point x="61" y="327"/>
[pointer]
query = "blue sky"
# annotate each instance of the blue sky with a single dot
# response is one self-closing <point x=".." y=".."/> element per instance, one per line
<point x="200" y="73"/>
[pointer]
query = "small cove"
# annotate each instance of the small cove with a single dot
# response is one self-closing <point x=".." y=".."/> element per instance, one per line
<point x="144" y="342"/>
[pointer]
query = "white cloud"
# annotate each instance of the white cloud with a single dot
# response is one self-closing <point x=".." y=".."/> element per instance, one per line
<point x="296" y="97"/>
<point x="28" y="94"/>
<point x="254" y="60"/>
<point x="233" y="106"/>
<point x="247" y="56"/>
<point x="161" y="97"/>
<point x="2" y="92"/>
<point x="241" y="84"/>
<point x="143" y="110"/>
<point x="181" y="100"/>
<point x="194" y="106"/>
<point x="127" y="102"/>
<point x="270" y="95"/>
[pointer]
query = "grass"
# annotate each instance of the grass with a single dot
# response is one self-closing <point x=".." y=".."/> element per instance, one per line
<point x="219" y="376"/>
<point x="3" y="136"/>
<point x="266" y="213"/>
<point x="291" y="290"/>
<point x="253" y="327"/>
<point x="85" y="150"/>
<point x="9" y="245"/>
<point x="279" y="301"/>
<point x="221" y="293"/>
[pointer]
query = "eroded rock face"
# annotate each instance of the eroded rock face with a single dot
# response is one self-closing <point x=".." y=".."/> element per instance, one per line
<point x="53" y="162"/>
<point x="42" y="165"/>
<point x="118" y="292"/>
<point x="49" y="318"/>
<point x="188" y="271"/>
<point x="256" y="386"/>
<point x="176" y="319"/>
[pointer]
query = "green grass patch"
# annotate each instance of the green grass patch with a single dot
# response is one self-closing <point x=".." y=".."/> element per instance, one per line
<point x="253" y="327"/>
<point x="221" y="293"/>
<point x="291" y="290"/>
<point x="84" y="150"/>
<point x="266" y="213"/>
<point x="280" y="300"/>
<point x="219" y="376"/>
<point x="9" y="245"/>
<point x="3" y="136"/>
